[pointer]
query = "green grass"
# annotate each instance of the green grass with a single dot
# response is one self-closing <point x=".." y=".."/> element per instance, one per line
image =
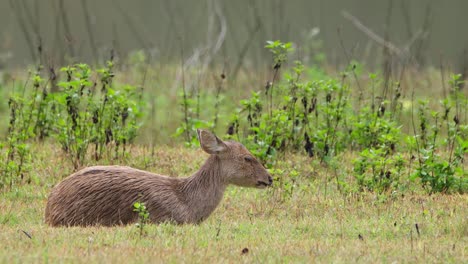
<point x="316" y="223"/>
<point x="314" y="212"/>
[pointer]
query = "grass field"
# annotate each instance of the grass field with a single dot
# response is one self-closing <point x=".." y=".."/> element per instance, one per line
<point x="367" y="167"/>
<point x="312" y="222"/>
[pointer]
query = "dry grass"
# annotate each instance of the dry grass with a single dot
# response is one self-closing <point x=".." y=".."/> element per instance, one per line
<point x="314" y="224"/>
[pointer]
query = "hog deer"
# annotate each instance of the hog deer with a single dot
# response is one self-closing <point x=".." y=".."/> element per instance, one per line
<point x="104" y="195"/>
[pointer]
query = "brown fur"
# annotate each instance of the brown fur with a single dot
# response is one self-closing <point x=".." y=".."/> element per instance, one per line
<point x="104" y="195"/>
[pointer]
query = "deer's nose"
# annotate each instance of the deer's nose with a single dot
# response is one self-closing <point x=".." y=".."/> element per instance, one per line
<point x="270" y="180"/>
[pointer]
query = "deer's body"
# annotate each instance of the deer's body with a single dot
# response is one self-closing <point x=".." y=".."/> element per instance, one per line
<point x="104" y="195"/>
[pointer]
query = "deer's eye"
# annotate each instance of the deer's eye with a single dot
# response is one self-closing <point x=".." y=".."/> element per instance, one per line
<point x="248" y="158"/>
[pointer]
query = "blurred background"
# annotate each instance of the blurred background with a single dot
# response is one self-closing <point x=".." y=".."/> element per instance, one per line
<point x="374" y="89"/>
<point x="233" y="33"/>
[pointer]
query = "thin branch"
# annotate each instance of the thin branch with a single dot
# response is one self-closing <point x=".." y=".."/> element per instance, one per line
<point x="131" y="25"/>
<point x="425" y="28"/>
<point x="92" y="43"/>
<point x="21" y="21"/>
<point x="58" y="44"/>
<point x="245" y="47"/>
<point x="66" y="27"/>
<point x="405" y="10"/>
<point x="349" y="62"/>
<point x="381" y="41"/>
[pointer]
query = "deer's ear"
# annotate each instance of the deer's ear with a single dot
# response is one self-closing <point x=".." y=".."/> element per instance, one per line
<point x="210" y="143"/>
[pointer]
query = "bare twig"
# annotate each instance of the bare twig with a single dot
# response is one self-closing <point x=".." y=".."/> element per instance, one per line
<point x="378" y="39"/>
<point x="405" y="10"/>
<point x="220" y="83"/>
<point x="252" y="32"/>
<point x="21" y="21"/>
<point x="35" y="25"/>
<point x="29" y="18"/>
<point x="131" y="25"/>
<point x="89" y="29"/>
<point x="349" y="62"/>
<point x="218" y="42"/>
<point x="420" y="34"/>
<point x="464" y="71"/>
<point x="420" y="45"/>
<point x="116" y="41"/>
<point x="173" y="28"/>
<point x="58" y="44"/>
<point x="185" y="103"/>
<point x="442" y="76"/>
<point x="66" y="27"/>
<point x="202" y="57"/>
<point x="387" y="64"/>
<point x="145" y="73"/>
<point x="413" y="123"/>
<point x="26" y="234"/>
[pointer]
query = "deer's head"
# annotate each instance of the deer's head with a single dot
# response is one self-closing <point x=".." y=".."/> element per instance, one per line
<point x="238" y="165"/>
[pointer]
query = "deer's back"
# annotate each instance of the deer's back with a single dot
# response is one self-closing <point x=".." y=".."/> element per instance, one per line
<point x="105" y="195"/>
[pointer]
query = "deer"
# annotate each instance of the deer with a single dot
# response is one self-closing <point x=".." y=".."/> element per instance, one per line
<point x="104" y="195"/>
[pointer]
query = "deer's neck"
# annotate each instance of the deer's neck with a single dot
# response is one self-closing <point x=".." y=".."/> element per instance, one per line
<point x="204" y="190"/>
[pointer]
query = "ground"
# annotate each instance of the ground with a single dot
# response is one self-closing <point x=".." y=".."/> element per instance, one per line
<point x="309" y="222"/>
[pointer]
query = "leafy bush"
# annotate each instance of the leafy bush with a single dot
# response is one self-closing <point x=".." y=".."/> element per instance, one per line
<point x="85" y="115"/>
<point x="323" y="119"/>
<point x="441" y="172"/>
<point x="15" y="158"/>
<point x="78" y="116"/>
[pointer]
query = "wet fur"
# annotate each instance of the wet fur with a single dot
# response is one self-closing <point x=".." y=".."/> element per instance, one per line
<point x="104" y="195"/>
